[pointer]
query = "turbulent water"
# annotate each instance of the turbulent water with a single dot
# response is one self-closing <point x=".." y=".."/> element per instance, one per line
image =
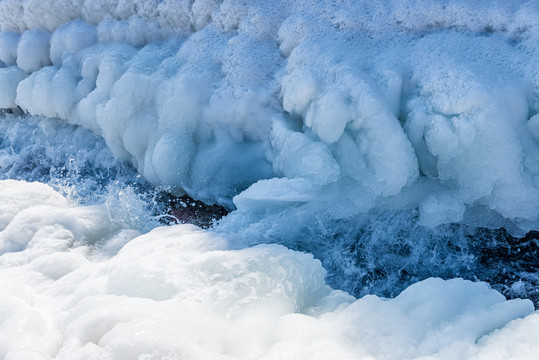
<point x="366" y="174"/>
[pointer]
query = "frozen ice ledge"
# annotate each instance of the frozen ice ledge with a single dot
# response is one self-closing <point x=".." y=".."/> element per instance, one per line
<point x="283" y="110"/>
<point x="394" y="141"/>
<point x="308" y="118"/>
<point x="265" y="107"/>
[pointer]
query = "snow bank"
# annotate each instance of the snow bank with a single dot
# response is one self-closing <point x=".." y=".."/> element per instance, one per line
<point x="34" y="216"/>
<point x="180" y="292"/>
<point x="352" y="102"/>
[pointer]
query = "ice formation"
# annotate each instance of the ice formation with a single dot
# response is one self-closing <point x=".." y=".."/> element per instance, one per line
<point x="77" y="286"/>
<point x="435" y="103"/>
<point x="317" y="123"/>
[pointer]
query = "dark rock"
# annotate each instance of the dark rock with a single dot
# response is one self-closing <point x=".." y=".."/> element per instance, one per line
<point x="186" y="210"/>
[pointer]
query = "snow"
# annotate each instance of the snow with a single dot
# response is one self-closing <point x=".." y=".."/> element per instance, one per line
<point x="10" y="77"/>
<point x="33" y="50"/>
<point x="8" y="47"/>
<point x="316" y="124"/>
<point x="180" y="291"/>
<point x="198" y="105"/>
<point x="69" y="39"/>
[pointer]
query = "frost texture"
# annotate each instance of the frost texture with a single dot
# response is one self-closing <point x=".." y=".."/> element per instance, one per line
<point x="348" y="102"/>
<point x="360" y="131"/>
<point x="77" y="286"/>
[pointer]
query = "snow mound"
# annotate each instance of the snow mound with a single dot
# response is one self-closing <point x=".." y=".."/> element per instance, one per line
<point x="180" y="292"/>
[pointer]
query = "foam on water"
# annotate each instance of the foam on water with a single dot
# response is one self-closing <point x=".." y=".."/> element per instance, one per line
<point x="394" y="141"/>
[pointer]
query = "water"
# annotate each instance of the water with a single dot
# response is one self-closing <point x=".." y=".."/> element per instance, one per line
<point x="380" y="253"/>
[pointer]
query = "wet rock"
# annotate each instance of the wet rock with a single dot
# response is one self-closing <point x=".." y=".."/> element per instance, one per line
<point x="186" y="210"/>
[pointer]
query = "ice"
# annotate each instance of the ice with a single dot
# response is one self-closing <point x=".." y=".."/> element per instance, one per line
<point x="33" y="50"/>
<point x="284" y="111"/>
<point x="385" y="102"/>
<point x="502" y="345"/>
<point x="8" y="47"/>
<point x="69" y="39"/>
<point x="180" y="291"/>
<point x="10" y="78"/>
<point x="18" y="196"/>
<point x="36" y="214"/>
<point x="366" y="145"/>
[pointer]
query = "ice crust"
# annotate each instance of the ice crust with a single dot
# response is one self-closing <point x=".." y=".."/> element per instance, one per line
<point x="317" y="122"/>
<point x="67" y="292"/>
<point x="349" y="102"/>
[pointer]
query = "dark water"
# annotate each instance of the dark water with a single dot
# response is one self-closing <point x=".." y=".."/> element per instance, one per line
<point x="391" y="251"/>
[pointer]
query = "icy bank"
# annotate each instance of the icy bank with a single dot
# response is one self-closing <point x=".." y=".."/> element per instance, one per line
<point x="75" y="285"/>
<point x="348" y="129"/>
<point x="301" y="104"/>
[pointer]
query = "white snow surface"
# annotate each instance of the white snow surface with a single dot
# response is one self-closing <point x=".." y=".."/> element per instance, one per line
<point x="76" y="285"/>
